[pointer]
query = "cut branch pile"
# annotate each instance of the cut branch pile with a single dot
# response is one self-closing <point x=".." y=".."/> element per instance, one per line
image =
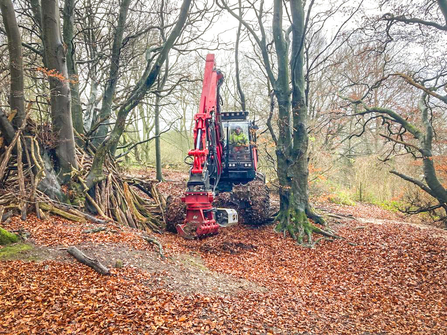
<point x="119" y="198"/>
<point x="129" y="201"/>
<point x="251" y="201"/>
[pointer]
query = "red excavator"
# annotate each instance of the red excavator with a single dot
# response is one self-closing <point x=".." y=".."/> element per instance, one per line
<point x="224" y="155"/>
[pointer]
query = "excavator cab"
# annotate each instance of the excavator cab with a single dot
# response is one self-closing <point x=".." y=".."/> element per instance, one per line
<point x="240" y="152"/>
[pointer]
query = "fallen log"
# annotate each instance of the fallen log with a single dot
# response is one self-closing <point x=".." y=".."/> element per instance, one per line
<point x="94" y="230"/>
<point x="60" y="212"/>
<point x="84" y="259"/>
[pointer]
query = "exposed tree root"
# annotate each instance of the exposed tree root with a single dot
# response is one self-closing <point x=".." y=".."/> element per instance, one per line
<point x="116" y="198"/>
<point x="314" y="216"/>
<point x="296" y="223"/>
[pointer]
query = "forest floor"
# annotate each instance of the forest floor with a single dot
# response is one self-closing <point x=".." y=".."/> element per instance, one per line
<point x="385" y="276"/>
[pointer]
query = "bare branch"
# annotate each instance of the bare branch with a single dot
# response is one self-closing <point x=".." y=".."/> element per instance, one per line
<point x="401" y="18"/>
<point x="143" y="141"/>
<point x="403" y="143"/>
<point x="412" y="82"/>
<point x="418" y="183"/>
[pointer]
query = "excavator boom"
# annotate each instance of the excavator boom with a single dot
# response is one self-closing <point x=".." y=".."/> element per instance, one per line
<point x="200" y="215"/>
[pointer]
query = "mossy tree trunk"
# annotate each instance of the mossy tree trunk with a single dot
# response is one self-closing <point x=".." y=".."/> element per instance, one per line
<point x="291" y="137"/>
<point x="292" y="146"/>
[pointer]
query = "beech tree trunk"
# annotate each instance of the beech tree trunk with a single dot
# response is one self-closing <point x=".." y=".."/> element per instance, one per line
<point x="60" y="89"/>
<point x="16" y="97"/>
<point x="68" y="34"/>
<point x="291" y="138"/>
<point x="292" y="151"/>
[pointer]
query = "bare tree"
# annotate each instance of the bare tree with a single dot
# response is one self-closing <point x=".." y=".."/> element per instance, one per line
<point x="112" y="80"/>
<point x="413" y="132"/>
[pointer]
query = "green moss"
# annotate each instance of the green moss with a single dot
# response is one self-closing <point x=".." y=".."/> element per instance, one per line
<point x="77" y="196"/>
<point x="392" y="206"/>
<point x="6" y="237"/>
<point x="12" y="251"/>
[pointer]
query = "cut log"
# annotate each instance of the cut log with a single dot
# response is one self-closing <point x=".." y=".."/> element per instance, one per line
<point x="84" y="259"/>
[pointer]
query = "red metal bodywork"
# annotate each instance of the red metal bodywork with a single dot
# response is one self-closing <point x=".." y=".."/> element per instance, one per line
<point x="200" y="216"/>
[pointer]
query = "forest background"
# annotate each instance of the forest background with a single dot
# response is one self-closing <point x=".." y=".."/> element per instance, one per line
<point x="367" y="69"/>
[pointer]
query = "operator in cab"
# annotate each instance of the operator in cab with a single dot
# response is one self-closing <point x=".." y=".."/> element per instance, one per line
<point x="238" y="139"/>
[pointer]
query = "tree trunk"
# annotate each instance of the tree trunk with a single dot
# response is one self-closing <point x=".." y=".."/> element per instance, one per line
<point x="90" y="41"/>
<point x="428" y="166"/>
<point x="106" y="108"/>
<point x="16" y="102"/>
<point x="159" y="176"/>
<point x="60" y="90"/>
<point x="236" y="59"/>
<point x="161" y="84"/>
<point x="292" y="155"/>
<point x="68" y="34"/>
<point x="300" y="167"/>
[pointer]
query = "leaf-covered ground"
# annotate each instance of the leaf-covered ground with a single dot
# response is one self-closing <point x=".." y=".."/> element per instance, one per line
<point x="384" y="277"/>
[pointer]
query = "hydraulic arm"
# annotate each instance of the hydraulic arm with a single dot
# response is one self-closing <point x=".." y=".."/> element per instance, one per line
<point x="207" y="159"/>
